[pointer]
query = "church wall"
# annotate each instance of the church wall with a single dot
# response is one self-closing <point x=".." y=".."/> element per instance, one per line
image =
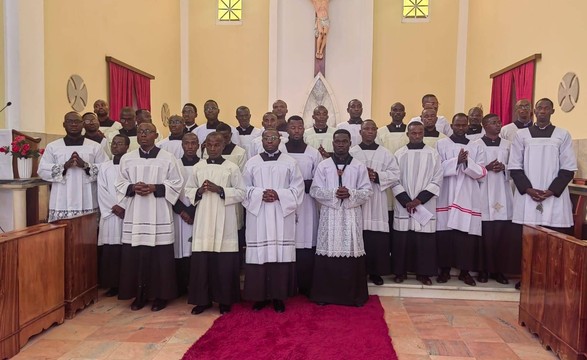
<point x="410" y="60"/>
<point x="228" y="63"/>
<point x="2" y="83"/>
<point x="80" y="33"/>
<point x="502" y="32"/>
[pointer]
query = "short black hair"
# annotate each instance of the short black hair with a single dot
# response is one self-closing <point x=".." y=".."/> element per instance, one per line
<point x="192" y="106"/>
<point x="487" y="117"/>
<point x="295" y="118"/>
<point x="341" y="131"/>
<point x="428" y="96"/>
<point x="126" y="138"/>
<point x="414" y="123"/>
<point x="223" y="127"/>
<point x="457" y="115"/>
<point x="547" y="100"/>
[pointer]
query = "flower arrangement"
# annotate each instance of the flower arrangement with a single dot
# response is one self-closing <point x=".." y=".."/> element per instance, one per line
<point x="19" y="148"/>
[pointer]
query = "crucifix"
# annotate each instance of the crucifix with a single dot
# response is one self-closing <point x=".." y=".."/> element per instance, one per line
<point x="321" y="27"/>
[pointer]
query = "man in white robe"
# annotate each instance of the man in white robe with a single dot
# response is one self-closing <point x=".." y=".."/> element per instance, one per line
<point x="216" y="188"/>
<point x="102" y="110"/>
<point x="501" y="241"/>
<point x="383" y="173"/>
<point x="542" y="163"/>
<point x="442" y="125"/>
<point x="71" y="165"/>
<point x="341" y="185"/>
<point x="151" y="179"/>
<point x="319" y="136"/>
<point x="92" y="130"/>
<point x="393" y="137"/>
<point x="189" y="113"/>
<point x="275" y="190"/>
<point x="211" y="111"/>
<point x="246" y="131"/>
<point x="269" y="122"/>
<point x="475" y="130"/>
<point x="522" y="120"/>
<point x="306" y="231"/>
<point x="353" y="125"/>
<point x="431" y="133"/>
<point x="184" y="211"/>
<point x="414" y="238"/>
<point x="458" y="212"/>
<point x="129" y="128"/>
<point x="173" y="143"/>
<point x="112" y="210"/>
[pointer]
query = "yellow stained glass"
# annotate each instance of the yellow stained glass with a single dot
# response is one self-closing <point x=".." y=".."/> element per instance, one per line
<point x="416" y="9"/>
<point x="230" y="10"/>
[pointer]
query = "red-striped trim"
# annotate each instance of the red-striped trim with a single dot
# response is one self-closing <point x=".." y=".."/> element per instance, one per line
<point x="484" y="173"/>
<point x="459" y="208"/>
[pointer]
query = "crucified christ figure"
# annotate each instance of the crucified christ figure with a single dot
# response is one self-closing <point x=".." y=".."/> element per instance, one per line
<point x="321" y="27"/>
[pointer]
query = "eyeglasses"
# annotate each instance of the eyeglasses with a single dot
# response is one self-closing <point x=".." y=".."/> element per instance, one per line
<point x="145" y="132"/>
<point x="270" y="138"/>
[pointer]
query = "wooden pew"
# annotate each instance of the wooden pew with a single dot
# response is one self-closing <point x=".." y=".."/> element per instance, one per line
<point x="553" y="299"/>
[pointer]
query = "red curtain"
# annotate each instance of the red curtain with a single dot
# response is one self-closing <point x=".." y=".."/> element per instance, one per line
<point x="521" y="78"/>
<point x="121" y="89"/>
<point x="143" y="91"/>
<point x="501" y="97"/>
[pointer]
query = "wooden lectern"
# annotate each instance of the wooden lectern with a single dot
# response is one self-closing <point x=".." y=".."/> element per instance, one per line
<point x="553" y="299"/>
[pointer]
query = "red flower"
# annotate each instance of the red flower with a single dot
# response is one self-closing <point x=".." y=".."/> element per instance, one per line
<point x="3" y="150"/>
<point x="26" y="147"/>
<point x="15" y="148"/>
<point x="41" y="151"/>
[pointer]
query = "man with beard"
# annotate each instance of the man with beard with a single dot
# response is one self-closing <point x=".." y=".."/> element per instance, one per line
<point x="92" y="131"/>
<point x="523" y="120"/>
<point x="280" y="110"/>
<point x="102" y="110"/>
<point x="475" y="130"/>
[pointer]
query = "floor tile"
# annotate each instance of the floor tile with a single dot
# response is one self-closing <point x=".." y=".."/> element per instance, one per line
<point x="141" y="351"/>
<point x="447" y="347"/>
<point x="91" y="350"/>
<point x="491" y="351"/>
<point x="479" y="335"/>
<point x="152" y="335"/>
<point x="409" y="345"/>
<point x="49" y="349"/>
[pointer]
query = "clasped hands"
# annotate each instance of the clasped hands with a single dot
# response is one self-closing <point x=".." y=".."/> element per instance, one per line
<point x="539" y="195"/>
<point x="74" y="160"/>
<point x="412" y="205"/>
<point x="372" y="174"/>
<point x="343" y="193"/>
<point x="143" y="189"/>
<point x="208" y="185"/>
<point x="463" y="156"/>
<point x="270" y="195"/>
<point x="495" y="166"/>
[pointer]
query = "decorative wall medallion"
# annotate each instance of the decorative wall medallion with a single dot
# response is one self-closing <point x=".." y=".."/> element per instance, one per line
<point x="165" y="114"/>
<point x="77" y="93"/>
<point x="568" y="92"/>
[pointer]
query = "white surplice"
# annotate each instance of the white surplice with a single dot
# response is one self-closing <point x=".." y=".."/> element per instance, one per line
<point x="420" y="169"/>
<point x="216" y="218"/>
<point x="458" y="205"/>
<point x="392" y="141"/>
<point x="442" y="125"/>
<point x="245" y="140"/>
<point x="172" y="146"/>
<point x="496" y="191"/>
<point x="315" y="140"/>
<point x="307" y="213"/>
<point x="541" y="159"/>
<point x="74" y="193"/>
<point x="202" y="131"/>
<point x="182" y="247"/>
<point x="340" y="232"/>
<point x="257" y="145"/>
<point x="148" y="219"/>
<point x="431" y="141"/>
<point x="270" y="229"/>
<point x="375" y="211"/>
<point x="110" y="224"/>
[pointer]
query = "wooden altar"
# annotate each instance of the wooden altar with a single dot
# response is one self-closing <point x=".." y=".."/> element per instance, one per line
<point x="553" y="299"/>
<point x="31" y="284"/>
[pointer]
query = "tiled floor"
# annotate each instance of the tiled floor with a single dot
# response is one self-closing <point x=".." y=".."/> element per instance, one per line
<point x="421" y="329"/>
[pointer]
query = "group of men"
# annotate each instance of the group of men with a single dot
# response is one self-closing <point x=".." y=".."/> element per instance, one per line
<point x="314" y="211"/>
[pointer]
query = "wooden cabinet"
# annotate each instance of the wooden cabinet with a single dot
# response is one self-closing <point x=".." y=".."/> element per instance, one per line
<point x="81" y="262"/>
<point x="553" y="299"/>
<point x="31" y="284"/>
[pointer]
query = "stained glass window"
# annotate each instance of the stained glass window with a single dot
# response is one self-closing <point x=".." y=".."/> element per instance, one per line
<point x="416" y="10"/>
<point x="230" y="10"/>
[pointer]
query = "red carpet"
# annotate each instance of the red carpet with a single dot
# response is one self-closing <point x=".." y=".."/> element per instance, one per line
<point x="304" y="331"/>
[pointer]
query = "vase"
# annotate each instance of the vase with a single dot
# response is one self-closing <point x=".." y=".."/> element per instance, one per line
<point x="25" y="167"/>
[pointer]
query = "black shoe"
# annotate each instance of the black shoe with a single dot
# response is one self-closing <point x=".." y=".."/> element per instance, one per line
<point x="138" y="304"/>
<point x="465" y="277"/>
<point x="278" y="305"/>
<point x="224" y="308"/>
<point x="518" y="285"/>
<point x="198" y="309"/>
<point x="425" y="280"/>
<point x="376" y="279"/>
<point x="111" y="292"/>
<point x="443" y="277"/>
<point x="260" y="305"/>
<point x="482" y="277"/>
<point x="158" y="305"/>
<point x="398" y="279"/>
<point x="500" y="278"/>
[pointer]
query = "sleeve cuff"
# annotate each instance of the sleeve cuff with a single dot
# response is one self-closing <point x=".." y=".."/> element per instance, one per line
<point x="424" y="196"/>
<point x="159" y="190"/>
<point x="403" y="198"/>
